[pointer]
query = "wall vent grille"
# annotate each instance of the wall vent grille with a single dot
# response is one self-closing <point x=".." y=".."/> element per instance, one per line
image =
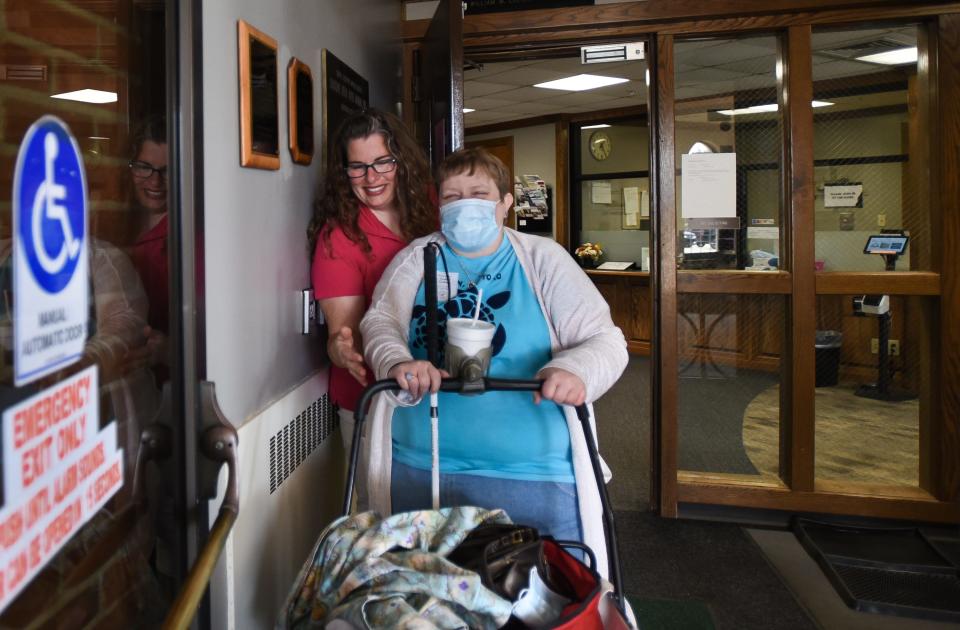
<point x="292" y="444"/>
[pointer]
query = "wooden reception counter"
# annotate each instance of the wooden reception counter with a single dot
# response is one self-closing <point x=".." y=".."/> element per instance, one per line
<point x="738" y="317"/>
<point x="628" y="294"/>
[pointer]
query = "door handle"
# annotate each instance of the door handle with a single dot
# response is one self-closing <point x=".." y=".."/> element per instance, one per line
<point x="155" y="445"/>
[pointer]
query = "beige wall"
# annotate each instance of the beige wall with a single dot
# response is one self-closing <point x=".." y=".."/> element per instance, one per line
<point x="534" y="153"/>
<point x="629" y="150"/>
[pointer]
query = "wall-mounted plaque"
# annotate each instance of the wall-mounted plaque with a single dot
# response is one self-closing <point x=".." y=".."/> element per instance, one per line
<point x="259" y="109"/>
<point x="300" y="111"/>
<point x="344" y="93"/>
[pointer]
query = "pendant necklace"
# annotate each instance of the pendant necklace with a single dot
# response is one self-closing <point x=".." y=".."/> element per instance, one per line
<point x="470" y="277"/>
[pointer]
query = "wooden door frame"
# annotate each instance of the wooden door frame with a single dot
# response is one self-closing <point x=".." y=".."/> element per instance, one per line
<point x="937" y="499"/>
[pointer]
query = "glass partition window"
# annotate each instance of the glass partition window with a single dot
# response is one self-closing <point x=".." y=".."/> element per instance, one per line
<point x="873" y="387"/>
<point x="614" y="190"/>
<point x="870" y="147"/>
<point x="729" y="387"/>
<point x="728" y="142"/>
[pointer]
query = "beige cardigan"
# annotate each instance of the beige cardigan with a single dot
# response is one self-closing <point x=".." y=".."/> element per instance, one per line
<point x="583" y="338"/>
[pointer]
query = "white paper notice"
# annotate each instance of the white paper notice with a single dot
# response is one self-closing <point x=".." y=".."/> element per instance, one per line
<point x="611" y="265"/>
<point x="631" y="200"/>
<point x="601" y="192"/>
<point x="771" y="233"/>
<point x="644" y="203"/>
<point x="842" y="196"/>
<point x="709" y="185"/>
<point x="631" y="207"/>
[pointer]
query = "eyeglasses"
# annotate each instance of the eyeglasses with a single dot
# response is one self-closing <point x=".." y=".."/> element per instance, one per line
<point x="356" y="170"/>
<point x="145" y="170"/>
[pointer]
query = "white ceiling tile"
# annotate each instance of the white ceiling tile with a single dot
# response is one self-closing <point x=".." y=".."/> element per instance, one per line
<point x="726" y="52"/>
<point x="763" y="66"/>
<point x="486" y="102"/>
<point x="838" y="69"/>
<point x="483" y="88"/>
<point x="713" y="76"/>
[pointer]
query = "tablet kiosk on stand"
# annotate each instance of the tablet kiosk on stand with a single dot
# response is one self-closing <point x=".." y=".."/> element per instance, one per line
<point x="890" y="245"/>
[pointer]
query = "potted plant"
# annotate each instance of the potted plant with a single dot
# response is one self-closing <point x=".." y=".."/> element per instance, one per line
<point x="588" y="254"/>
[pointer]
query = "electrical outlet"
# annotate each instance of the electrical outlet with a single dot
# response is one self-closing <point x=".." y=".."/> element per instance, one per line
<point x="881" y="220"/>
<point x="893" y="347"/>
<point x="308" y="310"/>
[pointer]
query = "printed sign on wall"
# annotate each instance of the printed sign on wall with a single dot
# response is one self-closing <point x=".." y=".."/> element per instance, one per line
<point x="345" y="93"/>
<point x="59" y="469"/>
<point x="50" y="272"/>
<point x="843" y="196"/>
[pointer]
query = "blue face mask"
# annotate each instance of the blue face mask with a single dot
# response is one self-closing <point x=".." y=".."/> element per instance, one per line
<point x="469" y="224"/>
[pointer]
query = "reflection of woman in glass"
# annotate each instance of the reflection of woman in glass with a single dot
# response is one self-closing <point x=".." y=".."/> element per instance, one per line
<point x="376" y="199"/>
<point x="148" y="171"/>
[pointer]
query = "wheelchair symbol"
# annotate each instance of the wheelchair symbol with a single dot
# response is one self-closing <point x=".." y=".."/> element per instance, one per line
<point x="47" y="205"/>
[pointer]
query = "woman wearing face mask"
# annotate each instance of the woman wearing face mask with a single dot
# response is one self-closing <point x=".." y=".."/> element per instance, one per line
<point x="525" y="454"/>
<point x="376" y="199"/>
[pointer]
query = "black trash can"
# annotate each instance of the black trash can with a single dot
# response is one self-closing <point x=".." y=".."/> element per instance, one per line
<point x="828" y="357"/>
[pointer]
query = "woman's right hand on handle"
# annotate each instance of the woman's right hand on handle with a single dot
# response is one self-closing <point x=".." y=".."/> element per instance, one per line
<point x="343" y="353"/>
<point x="417" y="377"/>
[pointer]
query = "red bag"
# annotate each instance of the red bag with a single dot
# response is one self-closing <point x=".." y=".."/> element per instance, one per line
<point x="594" y="607"/>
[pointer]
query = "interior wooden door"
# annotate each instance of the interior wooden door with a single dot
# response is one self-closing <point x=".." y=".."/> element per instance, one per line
<point x="503" y="149"/>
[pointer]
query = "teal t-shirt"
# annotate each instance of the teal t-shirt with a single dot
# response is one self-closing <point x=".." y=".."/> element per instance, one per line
<point x="496" y="434"/>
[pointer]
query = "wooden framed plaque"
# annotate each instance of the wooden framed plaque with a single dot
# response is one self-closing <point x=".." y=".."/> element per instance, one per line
<point x="300" y="111"/>
<point x="259" y="111"/>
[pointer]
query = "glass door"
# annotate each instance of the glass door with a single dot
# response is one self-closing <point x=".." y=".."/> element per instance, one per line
<point x="798" y="261"/>
<point x="91" y="531"/>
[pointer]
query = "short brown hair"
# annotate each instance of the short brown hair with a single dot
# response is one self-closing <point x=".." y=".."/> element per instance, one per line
<point x="469" y="161"/>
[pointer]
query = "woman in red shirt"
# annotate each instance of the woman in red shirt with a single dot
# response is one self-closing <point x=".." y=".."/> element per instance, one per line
<point x="376" y="200"/>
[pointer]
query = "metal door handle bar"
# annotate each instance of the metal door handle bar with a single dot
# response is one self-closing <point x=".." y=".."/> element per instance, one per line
<point x="219" y="443"/>
<point x="155" y="445"/>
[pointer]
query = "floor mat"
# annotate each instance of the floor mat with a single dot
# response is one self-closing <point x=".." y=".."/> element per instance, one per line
<point x="712" y="565"/>
<point x="894" y="571"/>
<point x="671" y="614"/>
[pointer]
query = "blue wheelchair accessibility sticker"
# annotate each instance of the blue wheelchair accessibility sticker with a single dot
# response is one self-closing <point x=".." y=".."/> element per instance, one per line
<point x="52" y="199"/>
<point x="50" y="251"/>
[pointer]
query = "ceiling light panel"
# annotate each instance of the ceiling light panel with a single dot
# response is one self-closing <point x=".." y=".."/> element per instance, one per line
<point x="898" y="57"/>
<point x="88" y="96"/>
<point x="581" y="83"/>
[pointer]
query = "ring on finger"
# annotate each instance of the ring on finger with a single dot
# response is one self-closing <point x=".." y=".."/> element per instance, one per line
<point x="409" y="376"/>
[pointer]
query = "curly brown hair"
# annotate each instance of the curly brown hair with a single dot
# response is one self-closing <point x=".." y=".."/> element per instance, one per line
<point x="338" y="207"/>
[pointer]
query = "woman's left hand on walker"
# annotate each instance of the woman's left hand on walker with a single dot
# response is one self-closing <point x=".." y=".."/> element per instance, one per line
<point x="560" y="386"/>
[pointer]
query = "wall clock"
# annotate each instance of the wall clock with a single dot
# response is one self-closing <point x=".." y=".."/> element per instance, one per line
<point x="600" y="145"/>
